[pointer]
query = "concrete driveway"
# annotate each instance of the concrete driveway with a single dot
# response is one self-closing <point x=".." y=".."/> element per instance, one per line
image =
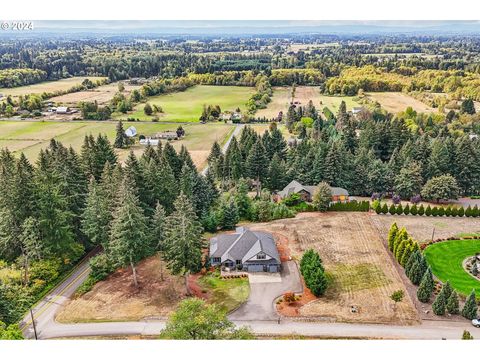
<point x="264" y="289"/>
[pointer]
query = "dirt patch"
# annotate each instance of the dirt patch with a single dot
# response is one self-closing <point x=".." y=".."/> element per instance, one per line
<point x="360" y="270"/>
<point x="397" y="101"/>
<point x="117" y="299"/>
<point x="423" y="228"/>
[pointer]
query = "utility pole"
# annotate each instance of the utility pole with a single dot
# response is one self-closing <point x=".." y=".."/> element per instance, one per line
<point x="433" y="233"/>
<point x="34" y="326"/>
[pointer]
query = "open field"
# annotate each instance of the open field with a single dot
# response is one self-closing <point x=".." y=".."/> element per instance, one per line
<point x="421" y="227"/>
<point x="31" y="136"/>
<point x="117" y="299"/>
<point x="361" y="272"/>
<point x="102" y="94"/>
<point x="187" y="106"/>
<point x="282" y="96"/>
<point x="446" y="259"/>
<point x="396" y="101"/>
<point x="47" y="86"/>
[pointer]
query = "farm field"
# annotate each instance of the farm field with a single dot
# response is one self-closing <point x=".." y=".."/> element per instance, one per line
<point x="397" y="101"/>
<point x="282" y="96"/>
<point x="421" y="227"/>
<point x="360" y="270"/>
<point x="47" y="86"/>
<point x="29" y="136"/>
<point x="102" y="94"/>
<point x="187" y="106"/>
<point x="446" y="258"/>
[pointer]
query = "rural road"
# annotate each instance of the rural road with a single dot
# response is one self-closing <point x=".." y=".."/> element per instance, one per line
<point x="48" y="328"/>
<point x="235" y="132"/>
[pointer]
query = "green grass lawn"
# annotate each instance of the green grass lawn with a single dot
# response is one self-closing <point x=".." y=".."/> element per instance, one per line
<point x="446" y="258"/>
<point x="228" y="294"/>
<point x="187" y="106"/>
<point x="333" y="102"/>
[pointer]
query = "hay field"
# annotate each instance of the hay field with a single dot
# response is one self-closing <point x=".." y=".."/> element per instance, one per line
<point x="396" y="101"/>
<point x="102" y="94"/>
<point x="361" y="272"/>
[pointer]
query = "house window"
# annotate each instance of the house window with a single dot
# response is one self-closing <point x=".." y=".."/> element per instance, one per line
<point x="261" y="257"/>
<point x="216" y="259"/>
<point x="238" y="262"/>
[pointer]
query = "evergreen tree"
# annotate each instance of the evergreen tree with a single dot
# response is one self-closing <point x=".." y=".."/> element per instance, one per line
<point x="426" y="287"/>
<point x="277" y="174"/>
<point x="229" y="214"/>
<point x="121" y="140"/>
<point x="452" y="304"/>
<point x="470" y="308"/>
<point x="438" y="306"/>
<point x="97" y="215"/>
<point x="322" y="197"/>
<point x="257" y="164"/>
<point x="242" y="200"/>
<point x="392" y="233"/>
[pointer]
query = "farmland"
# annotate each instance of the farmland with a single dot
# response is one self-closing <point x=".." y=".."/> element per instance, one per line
<point x="47" y="86"/>
<point x="282" y="96"/>
<point x="446" y="258"/>
<point x="30" y="137"/>
<point x="360" y="270"/>
<point x="397" y="101"/>
<point x="187" y="106"/>
<point x="102" y="94"/>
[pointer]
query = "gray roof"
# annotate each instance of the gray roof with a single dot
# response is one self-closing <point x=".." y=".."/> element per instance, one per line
<point x="243" y="245"/>
<point x="295" y="187"/>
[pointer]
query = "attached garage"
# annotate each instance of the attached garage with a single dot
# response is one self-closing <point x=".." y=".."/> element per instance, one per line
<point x="255" y="268"/>
<point x="273" y="268"/>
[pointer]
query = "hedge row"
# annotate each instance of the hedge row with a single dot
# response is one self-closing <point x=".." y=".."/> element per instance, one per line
<point x="350" y="206"/>
<point x="427" y="211"/>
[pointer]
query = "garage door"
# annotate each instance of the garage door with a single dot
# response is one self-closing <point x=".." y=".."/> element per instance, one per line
<point x="273" y="268"/>
<point x="255" y="268"/>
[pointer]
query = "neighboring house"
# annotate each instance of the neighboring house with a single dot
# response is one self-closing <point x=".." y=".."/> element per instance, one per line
<point x="63" y="110"/>
<point x="306" y="192"/>
<point x="149" y="141"/>
<point x="167" y="135"/>
<point x="356" y="110"/>
<point x="131" y="131"/>
<point x="246" y="250"/>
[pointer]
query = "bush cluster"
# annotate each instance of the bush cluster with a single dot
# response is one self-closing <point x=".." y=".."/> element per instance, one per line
<point x="427" y="211"/>
<point x="313" y="272"/>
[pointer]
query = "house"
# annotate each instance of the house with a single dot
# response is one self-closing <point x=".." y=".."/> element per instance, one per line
<point x="306" y="192"/>
<point x="356" y="110"/>
<point x="252" y="251"/>
<point x="149" y="141"/>
<point x="131" y="132"/>
<point x="167" y="135"/>
<point x="63" y="110"/>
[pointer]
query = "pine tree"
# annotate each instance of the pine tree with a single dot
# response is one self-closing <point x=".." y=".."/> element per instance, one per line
<point x="470" y="308"/>
<point x="392" y="233"/>
<point x="120" y="137"/>
<point x="97" y="215"/>
<point x="183" y="239"/>
<point x="426" y="287"/>
<point x="129" y="235"/>
<point x="438" y="306"/>
<point x="229" y="214"/>
<point x="257" y="164"/>
<point x="452" y="304"/>
<point x="157" y="234"/>
<point x="277" y="174"/>
<point x="242" y="200"/>
<point x="447" y="289"/>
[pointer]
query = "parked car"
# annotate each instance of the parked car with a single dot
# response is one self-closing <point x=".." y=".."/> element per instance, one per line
<point x="476" y="322"/>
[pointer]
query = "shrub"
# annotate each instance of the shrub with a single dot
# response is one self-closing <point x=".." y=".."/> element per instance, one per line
<point x="428" y="211"/>
<point x="101" y="267"/>
<point x="384" y="209"/>
<point x="421" y="210"/>
<point x="415" y="199"/>
<point x="289" y="297"/>
<point x="313" y="272"/>
<point x="426" y="287"/>
<point x="399" y="209"/>
<point x="454" y="212"/>
<point x="460" y="212"/>
<point x="448" y="211"/>
<point x="406" y="210"/>
<point x="414" y="210"/>
<point x="441" y="211"/>
<point x="438" y="306"/>
<point x="466" y="335"/>
<point x="452" y="304"/>
<point x="46" y="270"/>
<point x="470" y="308"/>
<point x="392" y="210"/>
<point x="396" y="199"/>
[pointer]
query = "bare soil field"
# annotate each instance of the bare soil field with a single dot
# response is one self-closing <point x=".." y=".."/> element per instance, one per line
<point x="103" y="94"/>
<point x="117" y="299"/>
<point x="422" y="227"/>
<point x="360" y="270"/>
<point x="397" y="101"/>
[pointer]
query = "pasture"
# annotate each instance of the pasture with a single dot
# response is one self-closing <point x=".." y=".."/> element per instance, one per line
<point x="187" y="106"/>
<point x="303" y="94"/>
<point x="360" y="270"/>
<point x="31" y="136"/>
<point x="47" y="86"/>
<point x="102" y="94"/>
<point x="446" y="259"/>
<point x="395" y="102"/>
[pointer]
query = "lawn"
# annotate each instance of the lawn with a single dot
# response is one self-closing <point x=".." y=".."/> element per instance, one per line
<point x="30" y="136"/>
<point x="187" y="106"/>
<point x="446" y="258"/>
<point x="228" y="294"/>
<point x="47" y="86"/>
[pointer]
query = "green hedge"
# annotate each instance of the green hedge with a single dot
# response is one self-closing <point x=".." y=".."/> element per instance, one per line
<point x="350" y="206"/>
<point x="428" y="210"/>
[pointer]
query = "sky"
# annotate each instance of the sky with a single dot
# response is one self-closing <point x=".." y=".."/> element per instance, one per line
<point x="257" y="26"/>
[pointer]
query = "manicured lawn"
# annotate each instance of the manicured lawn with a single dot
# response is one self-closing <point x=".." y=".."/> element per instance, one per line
<point x="187" y="106"/>
<point x="228" y="294"/>
<point x="446" y="260"/>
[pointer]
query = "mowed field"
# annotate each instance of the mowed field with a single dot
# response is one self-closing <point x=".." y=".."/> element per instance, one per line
<point x="102" y="94"/>
<point x="29" y="137"/>
<point x="446" y="260"/>
<point x="360" y="270"/>
<point x="303" y="94"/>
<point x="396" y="101"/>
<point x="47" y="86"/>
<point x="422" y="228"/>
<point x="187" y="106"/>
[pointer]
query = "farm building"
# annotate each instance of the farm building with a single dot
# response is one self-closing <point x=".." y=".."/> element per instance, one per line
<point x="306" y="192"/>
<point x="167" y="135"/>
<point x="149" y="141"/>
<point x="63" y="110"/>
<point x="131" y="131"/>
<point x="247" y="250"/>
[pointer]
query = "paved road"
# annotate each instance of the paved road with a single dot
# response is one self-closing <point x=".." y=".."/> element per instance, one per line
<point x="264" y="289"/>
<point x="235" y="132"/>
